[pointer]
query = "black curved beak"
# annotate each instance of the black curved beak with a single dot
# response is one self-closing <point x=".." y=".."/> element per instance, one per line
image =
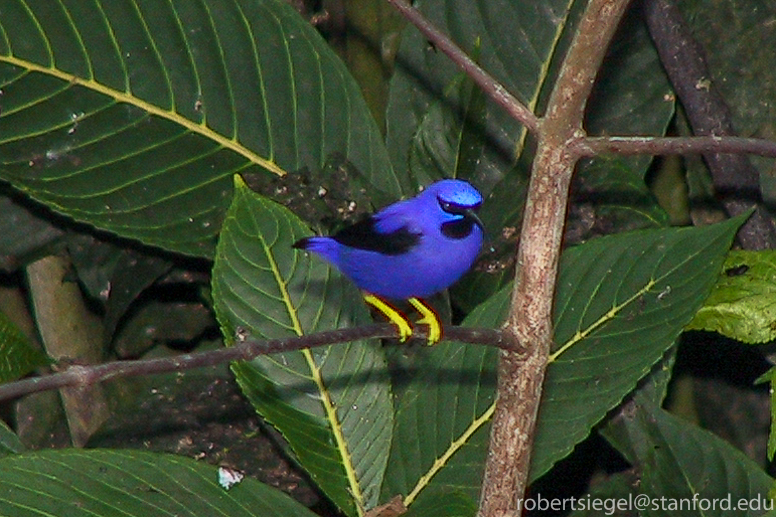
<point x="472" y="214"/>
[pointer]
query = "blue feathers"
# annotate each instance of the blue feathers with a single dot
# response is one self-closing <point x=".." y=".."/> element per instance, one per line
<point x="412" y="248"/>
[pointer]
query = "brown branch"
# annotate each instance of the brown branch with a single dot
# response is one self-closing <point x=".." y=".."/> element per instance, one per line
<point x="81" y="376"/>
<point x="520" y="375"/>
<point x="492" y="88"/>
<point x="594" y="146"/>
<point x="561" y="143"/>
<point x="736" y="180"/>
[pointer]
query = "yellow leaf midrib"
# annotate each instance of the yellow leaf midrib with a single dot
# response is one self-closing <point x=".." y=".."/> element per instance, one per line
<point x="127" y="98"/>
<point x="317" y="377"/>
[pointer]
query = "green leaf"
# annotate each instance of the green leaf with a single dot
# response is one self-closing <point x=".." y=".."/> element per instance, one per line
<point x="619" y="196"/>
<point x="770" y="378"/>
<point x="443" y="417"/>
<point x="501" y="212"/>
<point x="631" y="97"/>
<point x="115" y="276"/>
<point x="450" y="144"/>
<point x="331" y="403"/>
<point x="619" y="491"/>
<point x="678" y="461"/>
<point x="444" y="504"/>
<point x="73" y="482"/>
<point x="513" y="41"/>
<point x="609" y="497"/>
<point x="9" y="441"/>
<point x="135" y="271"/>
<point x="133" y="118"/>
<point x="742" y="304"/>
<point x="621" y="302"/>
<point x="18" y="354"/>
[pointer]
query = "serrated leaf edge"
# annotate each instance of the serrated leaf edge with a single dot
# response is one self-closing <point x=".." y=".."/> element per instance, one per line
<point x="612" y="313"/>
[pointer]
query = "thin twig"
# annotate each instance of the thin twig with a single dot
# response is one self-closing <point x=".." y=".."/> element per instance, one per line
<point x="594" y="146"/>
<point x="80" y="375"/>
<point x="492" y="88"/>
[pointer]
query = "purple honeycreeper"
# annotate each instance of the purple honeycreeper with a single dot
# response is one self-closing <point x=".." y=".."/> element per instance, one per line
<point x="409" y="250"/>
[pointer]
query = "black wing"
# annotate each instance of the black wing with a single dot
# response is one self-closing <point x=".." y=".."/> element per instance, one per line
<point x="363" y="235"/>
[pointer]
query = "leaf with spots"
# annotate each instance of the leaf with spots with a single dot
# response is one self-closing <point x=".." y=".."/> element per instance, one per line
<point x="330" y="403"/>
<point x="742" y="304"/>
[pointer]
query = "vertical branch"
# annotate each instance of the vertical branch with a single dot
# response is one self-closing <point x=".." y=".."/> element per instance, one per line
<point x="530" y="322"/>
<point x="69" y="333"/>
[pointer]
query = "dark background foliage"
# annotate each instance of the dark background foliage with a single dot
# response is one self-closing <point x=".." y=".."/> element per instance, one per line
<point x="127" y="233"/>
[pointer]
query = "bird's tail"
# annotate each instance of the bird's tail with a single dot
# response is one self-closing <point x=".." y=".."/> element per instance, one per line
<point x="324" y="246"/>
<point x="302" y="244"/>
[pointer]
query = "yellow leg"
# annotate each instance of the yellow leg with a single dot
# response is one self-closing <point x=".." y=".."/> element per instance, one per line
<point x="397" y="318"/>
<point x="429" y="318"/>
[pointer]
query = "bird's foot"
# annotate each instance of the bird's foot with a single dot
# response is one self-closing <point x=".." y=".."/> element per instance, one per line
<point x="397" y="318"/>
<point x="429" y="318"/>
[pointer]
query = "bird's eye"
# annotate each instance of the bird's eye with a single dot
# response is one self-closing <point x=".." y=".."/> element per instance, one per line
<point x="456" y="209"/>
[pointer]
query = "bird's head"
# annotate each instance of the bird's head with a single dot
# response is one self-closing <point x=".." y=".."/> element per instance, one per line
<point x="458" y="203"/>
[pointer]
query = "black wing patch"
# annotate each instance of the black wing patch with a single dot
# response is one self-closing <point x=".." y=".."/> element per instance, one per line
<point x="458" y="229"/>
<point x="363" y="235"/>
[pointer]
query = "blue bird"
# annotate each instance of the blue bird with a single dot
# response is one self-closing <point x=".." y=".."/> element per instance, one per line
<point x="409" y="250"/>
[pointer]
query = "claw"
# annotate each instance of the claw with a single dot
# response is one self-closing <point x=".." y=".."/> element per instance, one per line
<point x="397" y="318"/>
<point x="429" y="318"/>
